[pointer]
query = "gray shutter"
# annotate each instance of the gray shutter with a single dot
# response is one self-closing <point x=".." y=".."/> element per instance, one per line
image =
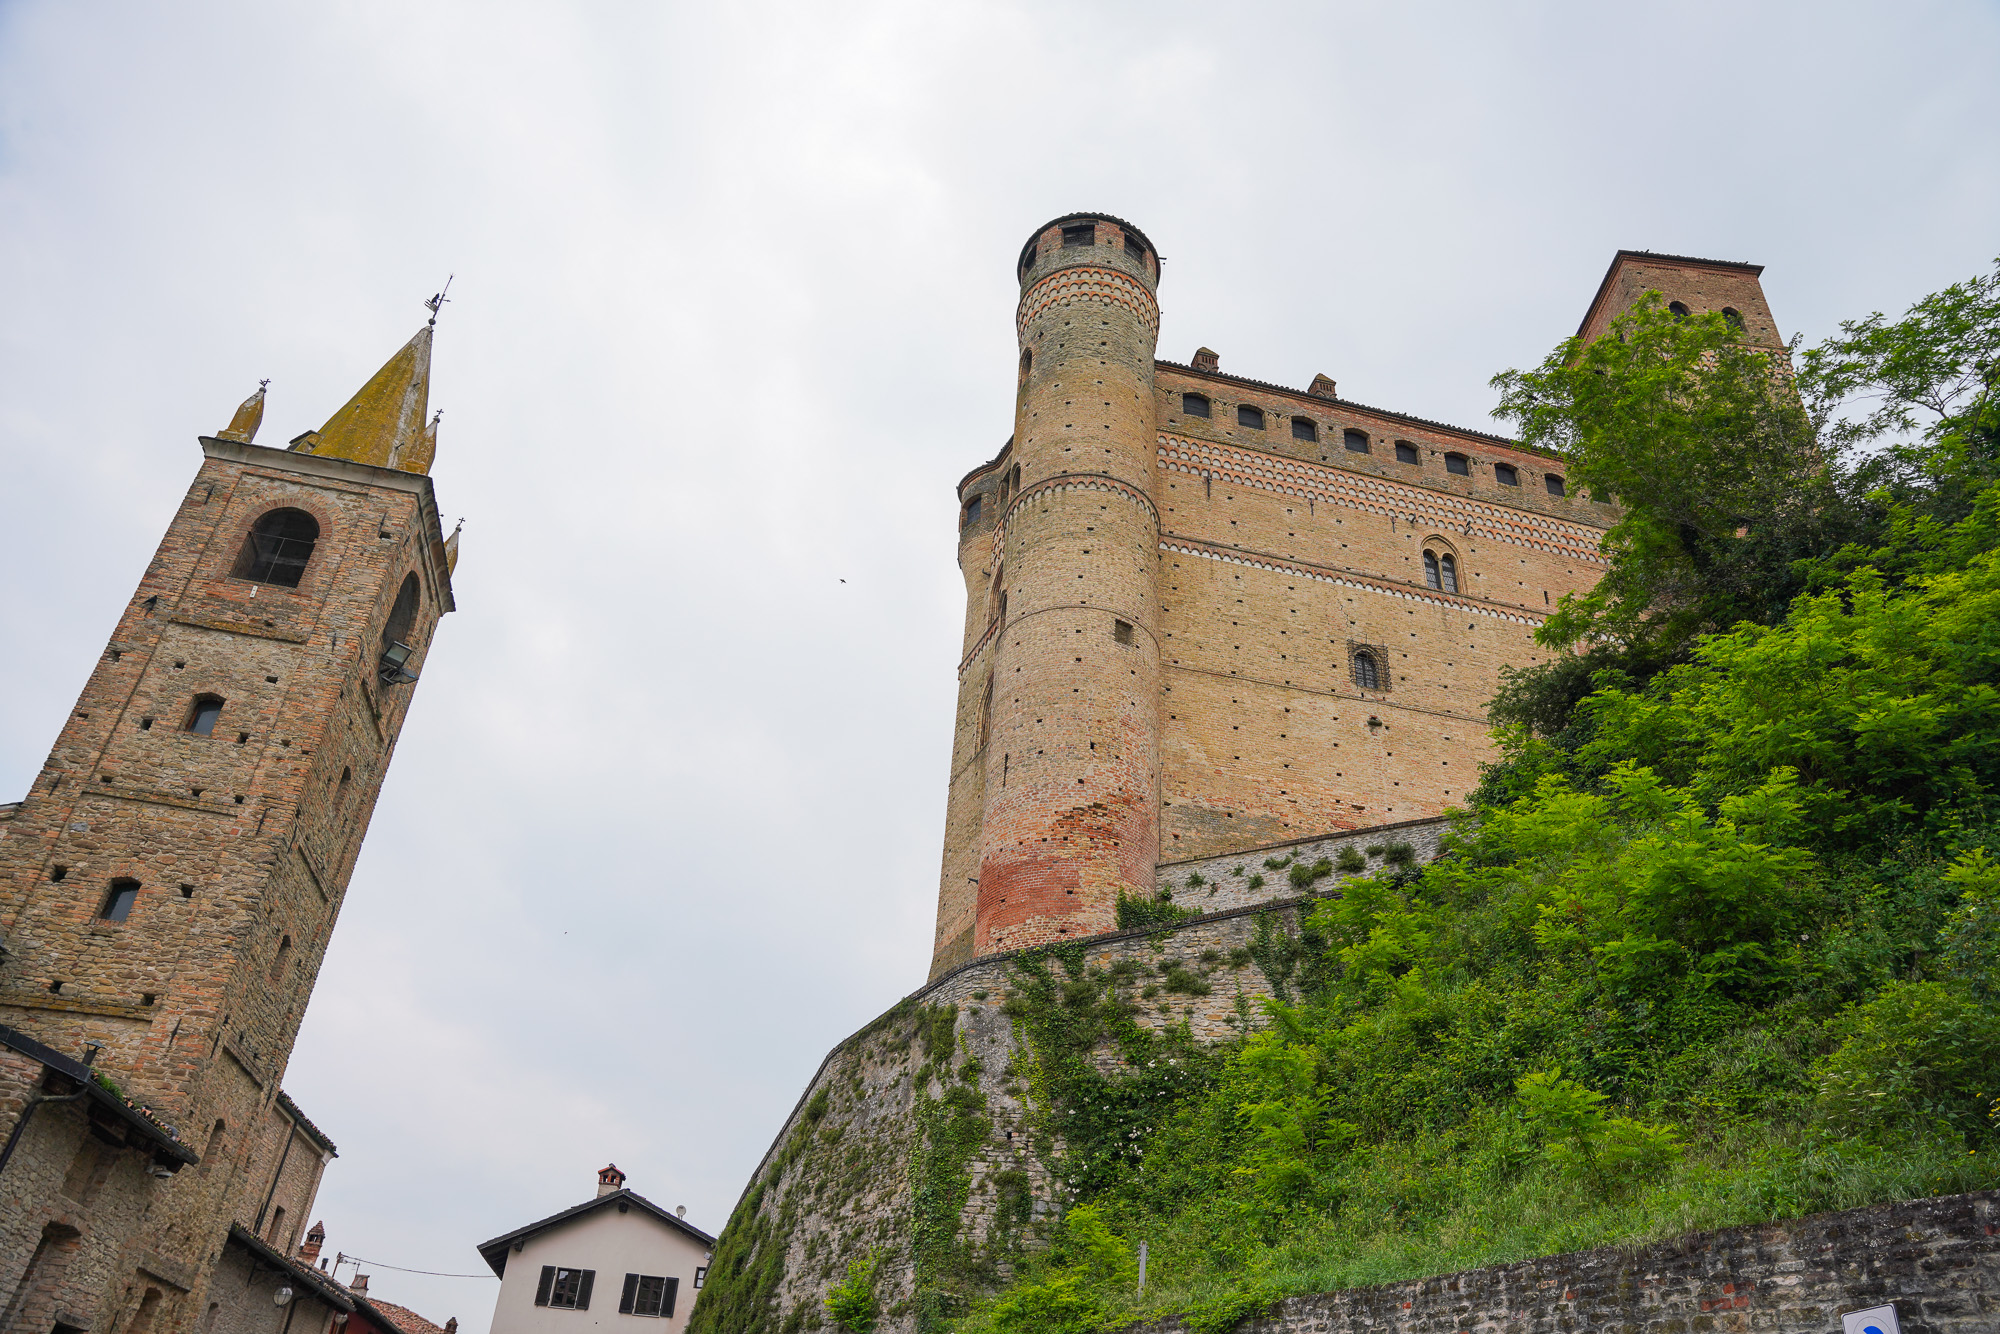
<point x="583" y="1290"/>
<point x="667" y="1303"/>
<point x="542" y="1289"/>
<point x="631" y="1287"/>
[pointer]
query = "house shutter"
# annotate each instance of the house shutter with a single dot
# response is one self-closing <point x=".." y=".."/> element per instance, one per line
<point x="667" y="1303"/>
<point x="583" y="1289"/>
<point x="631" y="1287"/>
<point x="542" y="1288"/>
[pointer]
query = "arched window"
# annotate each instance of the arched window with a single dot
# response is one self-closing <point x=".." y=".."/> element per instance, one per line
<point x="281" y="958"/>
<point x="1407" y="452"/>
<point x="971" y="514"/>
<point x="214" y="1146"/>
<point x="1250" y="417"/>
<point x="1194" y="405"/>
<point x="1027" y="361"/>
<point x="402" y="616"/>
<point x="1677" y="310"/>
<point x="1356" y="441"/>
<point x="1504" y="474"/>
<point x="1554" y="483"/>
<point x="1365" y="674"/>
<point x="1457" y="465"/>
<point x="1305" y="428"/>
<point x="118" y="903"/>
<point x="1431" y="570"/>
<point x="202" y="715"/>
<point x="1448" y="572"/>
<point x="279" y="545"/>
<point x="1734" y="316"/>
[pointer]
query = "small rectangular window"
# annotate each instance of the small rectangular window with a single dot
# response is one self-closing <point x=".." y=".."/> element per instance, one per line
<point x="1304" y="428"/>
<point x="1122" y="631"/>
<point x="1081" y="234"/>
<point x="1456" y="465"/>
<point x="567" y="1289"/>
<point x="1504" y="474"/>
<point x="1136" y="251"/>
<point x="118" y="903"/>
<point x="1250" y="417"/>
<point x="648" y="1294"/>
<point x="700" y="1276"/>
<point x="1194" y="405"/>
<point x="201" y="719"/>
<point x="1356" y="441"/>
<point x="1553" y="483"/>
<point x="971" y="512"/>
<point x="1407" y="452"/>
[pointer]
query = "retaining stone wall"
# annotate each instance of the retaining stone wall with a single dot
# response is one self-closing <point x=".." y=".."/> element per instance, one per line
<point x="1226" y="877"/>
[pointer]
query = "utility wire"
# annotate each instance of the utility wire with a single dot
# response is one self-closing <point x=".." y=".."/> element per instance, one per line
<point x="383" y="1264"/>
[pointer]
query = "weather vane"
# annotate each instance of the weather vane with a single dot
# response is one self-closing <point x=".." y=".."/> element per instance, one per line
<point x="437" y="301"/>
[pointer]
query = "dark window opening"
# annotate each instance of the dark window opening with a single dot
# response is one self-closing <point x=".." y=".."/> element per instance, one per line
<point x="1121" y="631"/>
<point x="1448" y="568"/>
<point x="402" y="616"/>
<point x="1194" y="405"/>
<point x="1364" y="671"/>
<point x="1251" y="417"/>
<point x="56" y="873"/>
<point x="1407" y="452"/>
<point x="1079" y="234"/>
<point x="567" y="1289"/>
<point x="147" y="997"/>
<point x="279" y="545"/>
<point x="1734" y="316"/>
<point x="1027" y="361"/>
<point x="971" y="513"/>
<point x="1679" y="311"/>
<point x="1304" y="428"/>
<point x="1136" y="251"/>
<point x="201" y="718"/>
<point x="242" y="738"/>
<point x="1504" y="474"/>
<point x="1431" y="579"/>
<point x="1028" y="258"/>
<point x="346" y="775"/>
<point x="187" y="891"/>
<point x="145" y="724"/>
<point x="281" y="958"/>
<point x="1457" y="465"/>
<point x="1356" y="441"/>
<point x="648" y="1294"/>
<point x="1553" y="482"/>
<point x="118" y="903"/>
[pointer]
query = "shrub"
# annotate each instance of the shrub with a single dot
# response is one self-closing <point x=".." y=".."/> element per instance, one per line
<point x="1305" y="877"/>
<point x="1160" y="910"/>
<point x="851" y="1304"/>
<point x="1920" y="1052"/>
<point x="1277" y="863"/>
<point x="1058" y="1305"/>
<point x="1584" y="1141"/>
<point x="1351" y="861"/>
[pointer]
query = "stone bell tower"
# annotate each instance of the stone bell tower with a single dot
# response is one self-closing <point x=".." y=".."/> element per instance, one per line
<point x="1054" y="809"/>
<point x="169" y="883"/>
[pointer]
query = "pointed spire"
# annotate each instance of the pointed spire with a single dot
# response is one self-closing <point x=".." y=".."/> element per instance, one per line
<point x="249" y="416"/>
<point x="417" y="458"/>
<point x="451" y="550"/>
<point x="385" y="421"/>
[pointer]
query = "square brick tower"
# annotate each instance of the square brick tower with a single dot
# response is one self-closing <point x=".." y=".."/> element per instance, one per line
<point x="169" y="883"/>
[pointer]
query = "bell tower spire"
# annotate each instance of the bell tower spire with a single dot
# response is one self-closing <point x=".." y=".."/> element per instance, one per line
<point x="383" y="423"/>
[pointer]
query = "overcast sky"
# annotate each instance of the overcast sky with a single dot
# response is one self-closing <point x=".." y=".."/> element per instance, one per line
<point x="733" y="313"/>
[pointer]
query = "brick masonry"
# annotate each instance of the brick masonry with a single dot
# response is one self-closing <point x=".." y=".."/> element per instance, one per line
<point x="1937" y="1261"/>
<point x="1169" y="575"/>
<point x="240" y="843"/>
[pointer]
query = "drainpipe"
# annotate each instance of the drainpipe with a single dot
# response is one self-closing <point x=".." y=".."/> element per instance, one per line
<point x="34" y="1100"/>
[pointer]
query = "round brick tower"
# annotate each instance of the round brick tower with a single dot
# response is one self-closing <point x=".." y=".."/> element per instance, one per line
<point x="1071" y="802"/>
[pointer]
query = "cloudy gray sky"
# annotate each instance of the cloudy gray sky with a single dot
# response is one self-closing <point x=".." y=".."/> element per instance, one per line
<point x="732" y="314"/>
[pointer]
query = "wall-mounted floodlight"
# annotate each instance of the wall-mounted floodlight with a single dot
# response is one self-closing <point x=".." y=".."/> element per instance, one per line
<point x="282" y="1297"/>
<point x="394" y="672"/>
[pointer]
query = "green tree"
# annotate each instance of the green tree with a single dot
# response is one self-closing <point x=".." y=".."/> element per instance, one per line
<point x="851" y="1303"/>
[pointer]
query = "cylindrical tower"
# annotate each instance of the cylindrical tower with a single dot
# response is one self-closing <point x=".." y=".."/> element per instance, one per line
<point x="1070" y="815"/>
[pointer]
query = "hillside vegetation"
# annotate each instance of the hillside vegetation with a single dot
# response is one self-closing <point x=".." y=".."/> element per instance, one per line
<point x="1716" y="942"/>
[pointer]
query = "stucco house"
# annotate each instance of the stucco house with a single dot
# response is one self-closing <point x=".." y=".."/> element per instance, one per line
<point x="618" y="1261"/>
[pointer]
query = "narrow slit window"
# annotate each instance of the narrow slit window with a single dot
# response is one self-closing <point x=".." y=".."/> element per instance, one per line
<point x="118" y="902"/>
<point x="1431" y="576"/>
<point x="280" y="959"/>
<point x="1407" y="452"/>
<point x="1505" y="474"/>
<point x="201" y="718"/>
<point x="279" y="547"/>
<point x="1448" y="571"/>
<point x="1356" y="441"/>
<point x="1554" y="483"/>
<point x="1194" y="405"/>
<point x="1457" y="465"/>
<point x="1305" y="428"/>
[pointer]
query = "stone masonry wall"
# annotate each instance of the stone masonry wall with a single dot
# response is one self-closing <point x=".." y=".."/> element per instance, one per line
<point x="1937" y="1261"/>
<point x="1230" y="879"/>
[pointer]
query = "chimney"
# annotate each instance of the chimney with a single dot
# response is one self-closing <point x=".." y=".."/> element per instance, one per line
<point x="451" y="1326"/>
<point x="316" y="1238"/>
<point x="359" y="1285"/>
<point x="1322" y="387"/>
<point x="1205" y="359"/>
<point x="609" y="1178"/>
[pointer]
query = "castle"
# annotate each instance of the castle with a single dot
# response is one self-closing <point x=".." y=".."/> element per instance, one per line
<point x="1212" y="626"/>
<point x="169" y="882"/>
<point x="1206" y="614"/>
